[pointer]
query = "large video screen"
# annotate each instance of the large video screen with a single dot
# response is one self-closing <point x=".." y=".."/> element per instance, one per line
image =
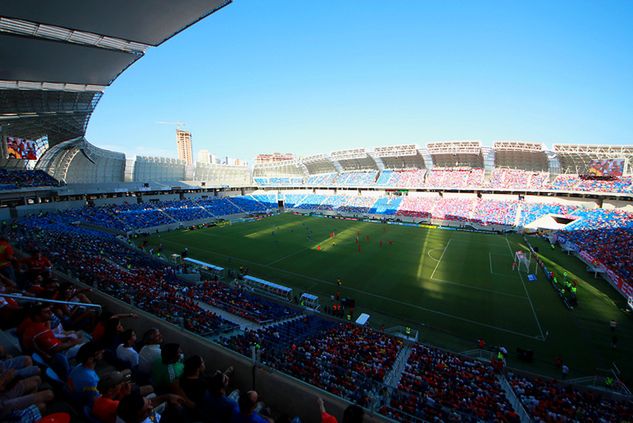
<point x="608" y="167"/>
<point x="20" y="148"/>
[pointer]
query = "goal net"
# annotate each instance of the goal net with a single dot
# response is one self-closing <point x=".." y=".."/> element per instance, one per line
<point x="522" y="261"/>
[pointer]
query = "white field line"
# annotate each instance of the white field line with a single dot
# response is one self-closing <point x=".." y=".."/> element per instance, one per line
<point x="303" y="250"/>
<point x="538" y="323"/>
<point x="429" y="310"/>
<point x="492" y="291"/>
<point x="442" y="256"/>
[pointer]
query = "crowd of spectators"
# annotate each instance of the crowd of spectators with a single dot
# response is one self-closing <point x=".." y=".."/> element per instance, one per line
<point x="457" y="209"/>
<point x="322" y="180"/>
<point x="455" y="177"/>
<point x="353" y="179"/>
<point x="548" y="400"/>
<point x="533" y="211"/>
<point x="332" y="202"/>
<point x="610" y="246"/>
<point x="495" y="212"/>
<point x="420" y="207"/>
<point x="16" y="179"/>
<point x="505" y="178"/>
<point x="357" y="204"/>
<point x="348" y="360"/>
<point x="441" y="386"/>
<point x="409" y="178"/>
<point x="573" y="182"/>
<point x="241" y="303"/>
<point x="95" y="370"/>
<point x="343" y="358"/>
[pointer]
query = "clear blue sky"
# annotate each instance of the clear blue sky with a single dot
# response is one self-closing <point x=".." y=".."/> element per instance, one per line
<point x="312" y="77"/>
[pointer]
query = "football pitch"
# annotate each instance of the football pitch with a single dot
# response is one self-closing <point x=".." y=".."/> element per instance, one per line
<point x="452" y="286"/>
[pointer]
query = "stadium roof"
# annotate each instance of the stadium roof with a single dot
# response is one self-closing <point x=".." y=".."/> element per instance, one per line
<point x="58" y="57"/>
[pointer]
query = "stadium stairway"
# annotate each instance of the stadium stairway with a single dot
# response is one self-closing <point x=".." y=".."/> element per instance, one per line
<point x="281" y="322"/>
<point x="168" y="215"/>
<point x="243" y="323"/>
<point x="392" y="379"/>
<point x="517" y="220"/>
<point x="513" y="399"/>
<point x="298" y="203"/>
<point x="257" y="201"/>
<point x="203" y="208"/>
<point x="236" y="205"/>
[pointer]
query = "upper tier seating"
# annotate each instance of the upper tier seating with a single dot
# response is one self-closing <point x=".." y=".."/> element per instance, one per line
<point x="16" y="179"/>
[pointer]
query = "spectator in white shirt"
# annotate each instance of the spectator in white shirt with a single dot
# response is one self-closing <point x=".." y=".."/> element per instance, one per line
<point x="125" y="351"/>
<point x="150" y="351"/>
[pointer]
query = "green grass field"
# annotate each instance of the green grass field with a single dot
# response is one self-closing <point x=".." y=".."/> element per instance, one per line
<point x="454" y="287"/>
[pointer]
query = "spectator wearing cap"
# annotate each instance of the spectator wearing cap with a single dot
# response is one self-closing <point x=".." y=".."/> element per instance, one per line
<point x="113" y="387"/>
<point x="83" y="379"/>
<point x="125" y="351"/>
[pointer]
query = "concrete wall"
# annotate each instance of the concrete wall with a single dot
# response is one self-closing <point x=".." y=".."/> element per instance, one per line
<point x="424" y="194"/>
<point x="466" y="196"/>
<point x="166" y="197"/>
<point x="49" y="207"/>
<point x="617" y="204"/>
<point x="581" y="202"/>
<point x="116" y="200"/>
<point x="500" y="197"/>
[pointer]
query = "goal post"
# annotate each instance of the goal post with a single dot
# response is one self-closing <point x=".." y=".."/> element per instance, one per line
<point x="522" y="261"/>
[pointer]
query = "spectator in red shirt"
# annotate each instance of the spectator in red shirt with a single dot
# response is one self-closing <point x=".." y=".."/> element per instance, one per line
<point x="113" y="387"/>
<point x="36" y="336"/>
<point x="39" y="264"/>
<point x="6" y="259"/>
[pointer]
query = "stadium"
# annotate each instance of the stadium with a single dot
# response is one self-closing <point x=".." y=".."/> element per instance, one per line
<point x="444" y="281"/>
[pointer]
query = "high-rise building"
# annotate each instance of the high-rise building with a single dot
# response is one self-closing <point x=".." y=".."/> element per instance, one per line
<point x="203" y="156"/>
<point x="183" y="143"/>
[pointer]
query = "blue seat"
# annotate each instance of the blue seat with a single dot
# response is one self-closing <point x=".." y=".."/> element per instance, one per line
<point x="53" y="377"/>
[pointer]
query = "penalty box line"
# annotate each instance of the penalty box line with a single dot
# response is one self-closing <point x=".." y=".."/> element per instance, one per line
<point x="382" y="297"/>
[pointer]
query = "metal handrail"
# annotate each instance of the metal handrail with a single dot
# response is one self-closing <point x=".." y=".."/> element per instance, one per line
<point x="46" y="300"/>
